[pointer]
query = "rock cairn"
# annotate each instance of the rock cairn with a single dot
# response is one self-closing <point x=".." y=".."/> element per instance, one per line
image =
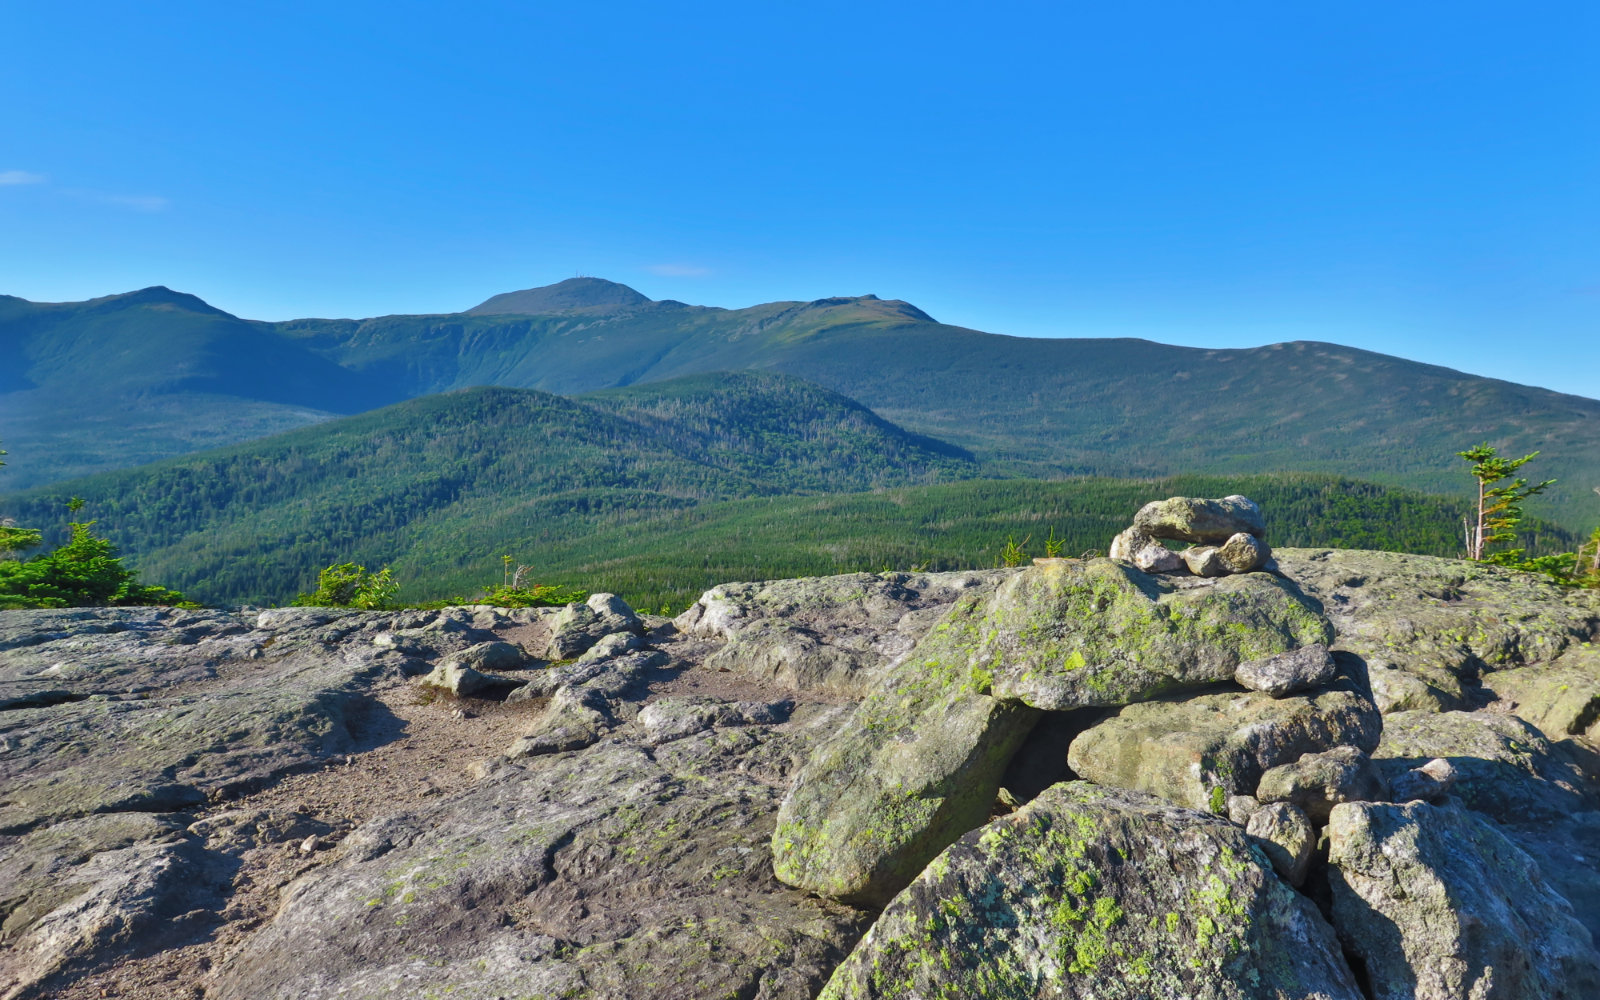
<point x="1226" y="536"/>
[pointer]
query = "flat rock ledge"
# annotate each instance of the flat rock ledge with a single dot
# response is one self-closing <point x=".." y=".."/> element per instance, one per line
<point x="1078" y="779"/>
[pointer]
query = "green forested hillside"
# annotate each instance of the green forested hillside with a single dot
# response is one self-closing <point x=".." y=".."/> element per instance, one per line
<point x="251" y="521"/>
<point x="652" y="493"/>
<point x="1023" y="407"/>
<point x="672" y="556"/>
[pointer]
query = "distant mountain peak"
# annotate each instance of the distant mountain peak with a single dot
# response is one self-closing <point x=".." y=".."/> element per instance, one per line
<point x="897" y="307"/>
<point x="158" y="295"/>
<point x="590" y="295"/>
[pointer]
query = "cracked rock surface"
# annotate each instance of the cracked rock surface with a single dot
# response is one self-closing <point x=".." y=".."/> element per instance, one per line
<point x="1069" y="780"/>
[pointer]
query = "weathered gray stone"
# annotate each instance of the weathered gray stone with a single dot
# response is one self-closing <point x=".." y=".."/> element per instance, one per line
<point x="1286" y="836"/>
<point x="1429" y="783"/>
<point x="1288" y="673"/>
<point x="1075" y="634"/>
<point x="1318" y="781"/>
<point x="1197" y="751"/>
<point x="1439" y="905"/>
<point x="612" y="645"/>
<point x="1241" y="807"/>
<point x="1429" y="628"/>
<point x="576" y="717"/>
<point x="1204" y="560"/>
<point x="1189" y="519"/>
<point x="490" y="656"/>
<point x="465" y="682"/>
<point x="1561" y="698"/>
<point x="1504" y="767"/>
<point x="916" y="765"/>
<point x="834" y="635"/>
<point x="575" y="628"/>
<point x="614" y="873"/>
<point x="1144" y="552"/>
<point x="674" y="718"/>
<point x="1244" y="553"/>
<point x="1089" y="892"/>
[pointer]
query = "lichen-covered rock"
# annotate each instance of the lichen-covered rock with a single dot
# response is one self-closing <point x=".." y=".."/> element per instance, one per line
<point x="1072" y="634"/>
<point x="1146" y="553"/>
<point x="915" y="766"/>
<point x="1504" y="767"/>
<point x="1088" y="892"/>
<point x="1244" y="553"/>
<point x="1439" y="905"/>
<point x="1190" y="519"/>
<point x="1429" y="628"/>
<point x="615" y="644"/>
<point x="1197" y="751"/>
<point x="1318" y="781"/>
<point x="1285" y="835"/>
<point x="1561" y="698"/>
<point x="1288" y="673"/>
<point x="834" y="635"/>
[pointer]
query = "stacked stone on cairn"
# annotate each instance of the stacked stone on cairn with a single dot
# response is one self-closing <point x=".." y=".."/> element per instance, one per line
<point x="1226" y="534"/>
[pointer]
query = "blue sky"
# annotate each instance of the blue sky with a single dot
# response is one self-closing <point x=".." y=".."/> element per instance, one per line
<point x="1421" y="179"/>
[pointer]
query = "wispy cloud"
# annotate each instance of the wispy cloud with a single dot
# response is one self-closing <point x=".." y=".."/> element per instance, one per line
<point x="8" y="177"/>
<point x="679" y="270"/>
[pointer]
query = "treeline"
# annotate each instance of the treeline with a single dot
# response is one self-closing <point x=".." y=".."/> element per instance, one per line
<point x="657" y="550"/>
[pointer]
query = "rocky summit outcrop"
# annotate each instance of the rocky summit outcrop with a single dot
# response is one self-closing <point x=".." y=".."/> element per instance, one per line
<point x="922" y="757"/>
<point x="1363" y="775"/>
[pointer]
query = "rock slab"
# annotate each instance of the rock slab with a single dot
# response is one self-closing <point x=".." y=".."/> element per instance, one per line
<point x="1439" y="905"/>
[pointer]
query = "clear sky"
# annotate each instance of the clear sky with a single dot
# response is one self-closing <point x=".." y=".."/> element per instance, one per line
<point x="1420" y="178"/>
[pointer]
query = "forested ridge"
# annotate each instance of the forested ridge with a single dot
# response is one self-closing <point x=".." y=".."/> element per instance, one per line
<point x="189" y="376"/>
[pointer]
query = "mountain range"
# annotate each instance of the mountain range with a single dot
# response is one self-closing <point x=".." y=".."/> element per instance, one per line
<point x="126" y="379"/>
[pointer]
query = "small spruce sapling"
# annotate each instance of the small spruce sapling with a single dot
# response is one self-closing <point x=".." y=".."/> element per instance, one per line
<point x="1499" y="507"/>
<point x="1014" y="551"/>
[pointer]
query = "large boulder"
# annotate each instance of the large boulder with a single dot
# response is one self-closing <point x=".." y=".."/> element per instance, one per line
<point x="916" y="765"/>
<point x="1090" y="892"/>
<point x="1190" y="519"/>
<point x="1070" y="634"/>
<point x="1439" y="905"/>
<point x="1198" y="751"/>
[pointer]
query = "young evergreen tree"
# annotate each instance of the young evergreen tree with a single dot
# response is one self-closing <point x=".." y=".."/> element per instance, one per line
<point x="1499" y="508"/>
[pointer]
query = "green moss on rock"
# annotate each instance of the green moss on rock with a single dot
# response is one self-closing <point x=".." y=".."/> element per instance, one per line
<point x="1091" y="892"/>
<point x="1072" y="634"/>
